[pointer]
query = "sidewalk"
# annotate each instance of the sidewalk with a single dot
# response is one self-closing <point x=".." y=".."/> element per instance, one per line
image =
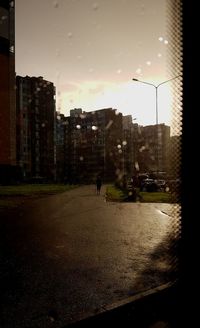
<point x="157" y="308"/>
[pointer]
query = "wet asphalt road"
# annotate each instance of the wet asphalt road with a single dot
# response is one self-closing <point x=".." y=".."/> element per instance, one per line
<point x="70" y="254"/>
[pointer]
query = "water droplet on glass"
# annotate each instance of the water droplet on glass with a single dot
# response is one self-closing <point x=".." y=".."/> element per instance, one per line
<point x="58" y="74"/>
<point x="119" y="71"/>
<point x="137" y="166"/>
<point x="124" y="143"/>
<point x="55" y="4"/>
<point x="78" y="126"/>
<point x="138" y="70"/>
<point x="69" y="35"/>
<point x="4" y="17"/>
<point x="142" y="148"/>
<point x="57" y="52"/>
<point x="95" y="6"/>
<point x="94" y="127"/>
<point x="109" y="124"/>
<point x="117" y="172"/>
<point x="119" y="146"/>
<point x="81" y="158"/>
<point x="82" y="116"/>
<point x="148" y="63"/>
<point x="43" y="125"/>
<point x="166" y="42"/>
<point x="160" y="39"/>
<point x="159" y="55"/>
<point x="12" y="49"/>
<point x="120" y="151"/>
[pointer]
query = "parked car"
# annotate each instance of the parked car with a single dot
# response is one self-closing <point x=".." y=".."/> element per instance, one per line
<point x="161" y="185"/>
<point x="174" y="185"/>
<point x="149" y="185"/>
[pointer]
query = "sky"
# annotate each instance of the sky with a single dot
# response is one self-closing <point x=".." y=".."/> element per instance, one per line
<point x="91" y="50"/>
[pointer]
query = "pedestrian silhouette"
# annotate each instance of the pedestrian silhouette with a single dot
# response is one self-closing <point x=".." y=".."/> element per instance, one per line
<point x="98" y="185"/>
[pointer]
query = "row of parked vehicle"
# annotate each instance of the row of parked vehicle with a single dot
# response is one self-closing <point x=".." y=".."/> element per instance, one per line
<point x="153" y="185"/>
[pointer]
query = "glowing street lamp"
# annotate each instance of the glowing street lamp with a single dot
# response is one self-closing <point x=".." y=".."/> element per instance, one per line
<point x="156" y="89"/>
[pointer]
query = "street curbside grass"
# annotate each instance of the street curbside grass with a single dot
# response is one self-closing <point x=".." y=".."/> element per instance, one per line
<point x="114" y="194"/>
<point x="13" y="196"/>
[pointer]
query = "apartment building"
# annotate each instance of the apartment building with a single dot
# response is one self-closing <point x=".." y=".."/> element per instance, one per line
<point x="35" y="100"/>
<point x="60" y="147"/>
<point x="93" y="145"/>
<point x="153" y="148"/>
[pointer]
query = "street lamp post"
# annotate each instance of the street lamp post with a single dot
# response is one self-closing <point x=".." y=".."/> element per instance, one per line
<point x="156" y="90"/>
<point x="133" y="151"/>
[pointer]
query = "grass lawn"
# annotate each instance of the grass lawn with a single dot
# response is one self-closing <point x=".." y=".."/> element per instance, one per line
<point x="114" y="194"/>
<point x="155" y="197"/>
<point x="33" y="189"/>
<point x="12" y="196"/>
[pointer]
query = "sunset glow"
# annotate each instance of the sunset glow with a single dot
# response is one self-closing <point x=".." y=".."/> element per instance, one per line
<point x="131" y="98"/>
<point x="91" y="58"/>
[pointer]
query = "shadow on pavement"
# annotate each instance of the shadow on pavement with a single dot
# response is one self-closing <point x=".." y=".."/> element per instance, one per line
<point x="155" y="308"/>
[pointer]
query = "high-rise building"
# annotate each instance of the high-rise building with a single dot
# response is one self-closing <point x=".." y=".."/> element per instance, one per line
<point x="93" y="145"/>
<point x="7" y="88"/>
<point x="128" y="145"/>
<point x="36" y="127"/>
<point x="60" y="147"/>
<point x="153" y="143"/>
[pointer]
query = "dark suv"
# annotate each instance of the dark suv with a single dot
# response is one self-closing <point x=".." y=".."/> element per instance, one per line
<point x="161" y="185"/>
<point x="149" y="185"/>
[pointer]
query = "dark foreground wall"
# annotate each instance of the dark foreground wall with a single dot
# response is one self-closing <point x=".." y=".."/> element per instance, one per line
<point x="10" y="174"/>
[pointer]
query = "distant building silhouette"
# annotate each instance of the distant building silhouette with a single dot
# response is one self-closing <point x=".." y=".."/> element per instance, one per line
<point x="107" y="143"/>
<point x="153" y="147"/>
<point x="128" y="145"/>
<point x="36" y="127"/>
<point x="60" y="137"/>
<point x="92" y="145"/>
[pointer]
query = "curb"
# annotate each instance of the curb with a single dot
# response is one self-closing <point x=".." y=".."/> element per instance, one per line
<point x="142" y="308"/>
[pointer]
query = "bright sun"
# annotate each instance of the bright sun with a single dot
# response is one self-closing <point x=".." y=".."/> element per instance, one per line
<point x="130" y="98"/>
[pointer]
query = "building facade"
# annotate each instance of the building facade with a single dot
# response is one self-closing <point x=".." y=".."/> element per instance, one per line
<point x="92" y="145"/>
<point x="153" y="147"/>
<point x="60" y="147"/>
<point x="35" y="99"/>
<point x="106" y="143"/>
<point x="128" y="145"/>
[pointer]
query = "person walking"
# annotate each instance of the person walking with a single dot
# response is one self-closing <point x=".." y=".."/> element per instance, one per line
<point x="98" y="184"/>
